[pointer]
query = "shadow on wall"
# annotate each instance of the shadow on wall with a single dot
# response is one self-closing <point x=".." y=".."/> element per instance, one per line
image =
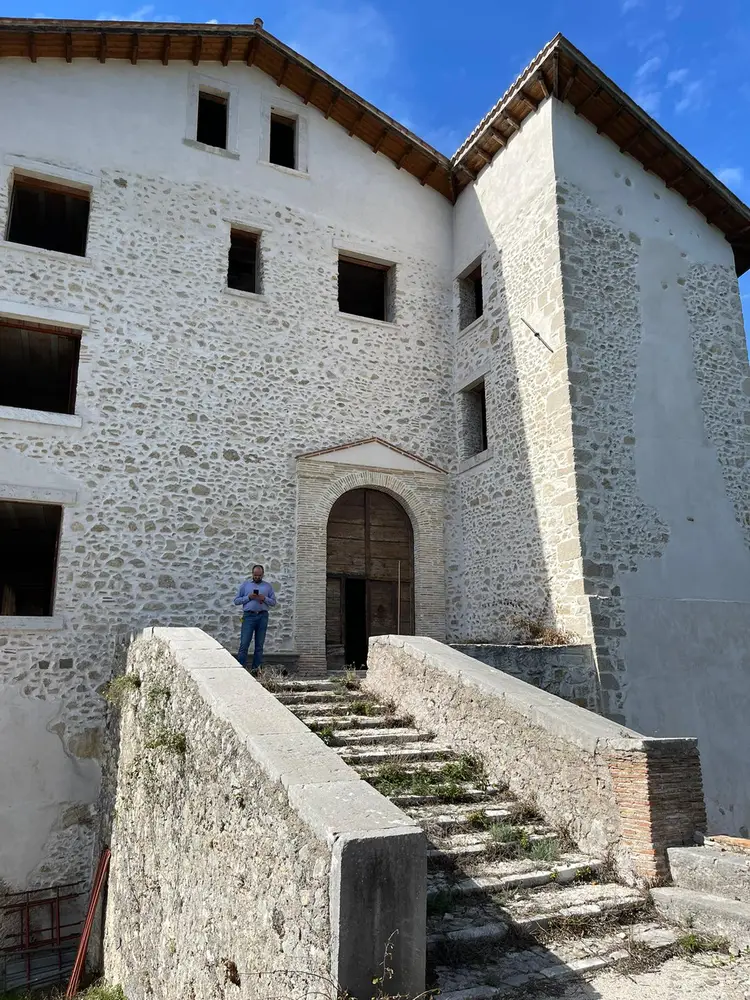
<point x="513" y="535"/>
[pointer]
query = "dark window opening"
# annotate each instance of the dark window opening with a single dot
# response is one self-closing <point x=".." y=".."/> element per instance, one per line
<point x="283" y="150"/>
<point x="243" y="261"/>
<point x="363" y="288"/>
<point x="48" y="216"/>
<point x="471" y="304"/>
<point x="474" y="420"/>
<point x="355" y="619"/>
<point x="29" y="534"/>
<point x="212" y="120"/>
<point x="38" y="367"/>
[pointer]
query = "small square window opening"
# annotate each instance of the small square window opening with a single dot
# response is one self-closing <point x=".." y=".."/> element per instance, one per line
<point x="365" y="288"/>
<point x="244" y="271"/>
<point x="29" y="534"/>
<point x="49" y="216"/>
<point x="283" y="145"/>
<point x="212" y="119"/>
<point x="473" y="420"/>
<point x="471" y="298"/>
<point x="38" y="367"/>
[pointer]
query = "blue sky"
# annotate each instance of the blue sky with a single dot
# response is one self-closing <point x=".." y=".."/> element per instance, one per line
<point x="438" y="66"/>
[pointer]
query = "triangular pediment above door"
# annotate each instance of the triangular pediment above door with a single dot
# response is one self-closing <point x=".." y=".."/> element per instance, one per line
<point x="373" y="453"/>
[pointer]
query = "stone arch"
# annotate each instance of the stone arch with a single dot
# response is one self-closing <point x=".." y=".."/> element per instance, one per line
<point x="319" y="486"/>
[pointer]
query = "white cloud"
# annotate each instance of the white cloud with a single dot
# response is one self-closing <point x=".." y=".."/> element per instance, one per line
<point x="646" y="92"/>
<point x="677" y="76"/>
<point x="673" y="11"/>
<point x="692" y="97"/>
<point x="731" y="176"/>
<point x="628" y="5"/>
<point x="145" y="13"/>
<point x="648" y="68"/>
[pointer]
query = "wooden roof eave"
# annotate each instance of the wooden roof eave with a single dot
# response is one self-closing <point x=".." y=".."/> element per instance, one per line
<point x="251" y="44"/>
<point x="586" y="88"/>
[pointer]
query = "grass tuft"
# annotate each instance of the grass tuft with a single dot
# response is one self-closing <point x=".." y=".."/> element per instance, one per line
<point x="116" y="691"/>
<point x="169" y="740"/>
<point x="696" y="944"/>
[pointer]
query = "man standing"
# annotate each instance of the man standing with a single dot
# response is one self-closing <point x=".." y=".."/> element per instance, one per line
<point x="256" y="597"/>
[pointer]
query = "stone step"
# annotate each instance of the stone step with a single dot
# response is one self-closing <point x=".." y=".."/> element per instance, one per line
<point x="457" y="932"/>
<point x="456" y="821"/>
<point x="312" y="697"/>
<point x="561" y="874"/>
<point x="316" y="709"/>
<point x="531" y="972"/>
<point x="398" y="754"/>
<point x="468" y="792"/>
<point x="338" y="722"/>
<point x="701" y="912"/>
<point x="316" y="684"/>
<point x="450" y="853"/>
<point x="711" y="870"/>
<point x="383" y="737"/>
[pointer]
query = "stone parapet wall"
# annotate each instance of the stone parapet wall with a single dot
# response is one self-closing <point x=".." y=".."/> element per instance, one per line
<point x="244" y="850"/>
<point x="616" y="793"/>
<point x="569" y="672"/>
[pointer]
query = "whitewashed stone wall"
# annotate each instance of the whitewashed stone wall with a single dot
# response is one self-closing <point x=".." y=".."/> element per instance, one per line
<point x="661" y="423"/>
<point x="513" y="542"/>
<point x="194" y="401"/>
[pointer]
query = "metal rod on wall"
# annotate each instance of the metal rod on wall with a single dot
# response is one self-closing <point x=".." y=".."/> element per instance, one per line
<point x="398" y="602"/>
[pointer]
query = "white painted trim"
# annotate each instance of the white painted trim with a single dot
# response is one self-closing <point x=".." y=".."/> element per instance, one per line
<point x="474" y="460"/>
<point x="37" y="494"/>
<point x="212" y="85"/>
<point x="228" y="154"/>
<point x="70" y="258"/>
<point x="239" y="293"/>
<point x="31" y="623"/>
<point x="37" y="313"/>
<point x="48" y="170"/>
<point x="21" y="415"/>
<point x="247" y="225"/>
<point x="473" y="380"/>
<point x="367" y="251"/>
<point x="369" y="320"/>
<point x="285" y="170"/>
<point x="274" y="102"/>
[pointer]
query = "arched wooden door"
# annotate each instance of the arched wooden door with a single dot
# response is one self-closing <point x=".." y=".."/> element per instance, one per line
<point x="370" y="549"/>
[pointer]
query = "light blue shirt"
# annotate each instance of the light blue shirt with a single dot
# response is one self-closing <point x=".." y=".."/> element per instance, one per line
<point x="245" y="596"/>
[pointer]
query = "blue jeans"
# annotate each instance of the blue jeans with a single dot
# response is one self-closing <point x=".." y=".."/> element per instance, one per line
<point x="254" y="623"/>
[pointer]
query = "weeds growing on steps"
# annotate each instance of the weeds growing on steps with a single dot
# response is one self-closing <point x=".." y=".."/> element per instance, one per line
<point x="328" y="735"/>
<point x="99" y="991"/>
<point x="117" y="690"/>
<point x="695" y="944"/>
<point x="445" y="781"/>
<point x="348" y="681"/>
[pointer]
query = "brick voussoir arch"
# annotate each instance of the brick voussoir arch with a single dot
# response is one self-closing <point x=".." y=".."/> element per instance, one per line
<point x="320" y="485"/>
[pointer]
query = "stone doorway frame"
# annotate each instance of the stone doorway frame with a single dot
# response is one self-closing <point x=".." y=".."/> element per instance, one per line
<point x="320" y="483"/>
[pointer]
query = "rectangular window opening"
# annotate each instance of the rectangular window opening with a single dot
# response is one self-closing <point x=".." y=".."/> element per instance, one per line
<point x="471" y="297"/>
<point x="29" y="534"/>
<point x="38" y="367"/>
<point x="48" y="215"/>
<point x="212" y="119"/>
<point x="283" y="147"/>
<point x="365" y="288"/>
<point x="473" y="416"/>
<point x="243" y="272"/>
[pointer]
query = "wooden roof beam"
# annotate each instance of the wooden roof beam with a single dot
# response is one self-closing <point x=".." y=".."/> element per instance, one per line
<point x="32" y="46"/>
<point x="252" y="49"/>
<point x="571" y="80"/>
<point x="380" y="140"/>
<point x="699" y="197"/>
<point x="610" y="120"/>
<point x="226" y="53"/>
<point x="514" y="123"/>
<point x="487" y="157"/>
<point x="589" y="97"/>
<point x="68" y="47"/>
<point x="556" y="73"/>
<point x="629" y="143"/>
<point x="332" y="103"/>
<point x="498" y="136"/>
<point x="469" y="173"/>
<point x="134" y="49"/>
<point x="402" y="159"/>
<point x="680" y="177"/>
<point x="360" y="118"/>
<point x="543" y="84"/>
<point x="428" y="173"/>
<point x="102" y="47"/>
<point x="165" y="50"/>
<point x="527" y="100"/>
<point x="197" y="50"/>
<point x="307" y="97"/>
<point x="282" y="73"/>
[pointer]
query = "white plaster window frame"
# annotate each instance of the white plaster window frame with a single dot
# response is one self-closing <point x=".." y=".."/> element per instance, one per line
<point x="275" y="104"/>
<point x="256" y="229"/>
<point x="370" y="255"/>
<point x="463" y="274"/>
<point x="22" y="493"/>
<point x="463" y="388"/>
<point x="200" y="82"/>
<point x="14" y="165"/>
<point x="44" y="316"/>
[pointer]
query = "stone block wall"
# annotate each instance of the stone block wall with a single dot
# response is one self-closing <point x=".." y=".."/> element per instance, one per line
<point x="246" y="856"/>
<point x="616" y="793"/>
<point x="569" y="672"/>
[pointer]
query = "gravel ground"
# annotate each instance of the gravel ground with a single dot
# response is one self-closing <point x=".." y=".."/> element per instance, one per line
<point x="704" y="977"/>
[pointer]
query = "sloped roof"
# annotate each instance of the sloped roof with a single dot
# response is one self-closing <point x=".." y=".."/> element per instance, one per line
<point x="560" y="70"/>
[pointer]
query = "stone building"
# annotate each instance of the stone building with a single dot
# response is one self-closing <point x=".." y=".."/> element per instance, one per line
<point x="245" y="316"/>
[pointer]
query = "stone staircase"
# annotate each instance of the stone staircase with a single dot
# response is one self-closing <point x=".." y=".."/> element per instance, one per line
<point x="513" y="910"/>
